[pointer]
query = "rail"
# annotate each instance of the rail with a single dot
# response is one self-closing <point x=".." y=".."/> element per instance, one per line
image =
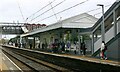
<point x="34" y="64"/>
<point x="68" y="62"/>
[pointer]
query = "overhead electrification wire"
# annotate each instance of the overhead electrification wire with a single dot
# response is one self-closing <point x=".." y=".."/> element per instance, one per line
<point x="64" y="10"/>
<point x="88" y="16"/>
<point x="54" y="12"/>
<point x="40" y="9"/>
<point x="21" y="12"/>
<point x="68" y="9"/>
<point x="48" y="10"/>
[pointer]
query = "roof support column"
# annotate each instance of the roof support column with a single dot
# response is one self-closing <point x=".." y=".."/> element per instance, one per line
<point x="34" y="42"/>
<point x="79" y="40"/>
<point x="92" y="49"/>
<point x="21" y="46"/>
<point x="61" y="35"/>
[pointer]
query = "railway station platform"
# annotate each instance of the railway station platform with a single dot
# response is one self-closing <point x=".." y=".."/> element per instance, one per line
<point x="86" y="57"/>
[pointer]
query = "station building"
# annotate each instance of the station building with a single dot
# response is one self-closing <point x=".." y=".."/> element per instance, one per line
<point x="69" y="30"/>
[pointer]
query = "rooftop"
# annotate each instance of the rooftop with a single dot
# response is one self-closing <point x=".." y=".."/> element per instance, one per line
<point x="83" y="20"/>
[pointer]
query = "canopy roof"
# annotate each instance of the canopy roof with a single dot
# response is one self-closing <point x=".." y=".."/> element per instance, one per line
<point x="83" y="20"/>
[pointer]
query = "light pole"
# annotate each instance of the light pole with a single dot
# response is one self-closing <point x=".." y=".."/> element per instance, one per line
<point x="103" y="24"/>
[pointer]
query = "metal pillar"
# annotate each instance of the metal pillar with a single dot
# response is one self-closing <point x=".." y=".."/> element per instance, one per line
<point x="115" y="24"/>
<point x="61" y="35"/>
<point x="34" y="42"/>
<point x="79" y="41"/>
<point x="21" y="42"/>
<point x="103" y="24"/>
<point x="92" y="43"/>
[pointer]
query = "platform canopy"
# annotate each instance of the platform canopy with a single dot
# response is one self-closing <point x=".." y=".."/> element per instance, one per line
<point x="83" y="20"/>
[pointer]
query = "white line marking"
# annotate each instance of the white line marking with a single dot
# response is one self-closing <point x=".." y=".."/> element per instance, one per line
<point x="13" y="63"/>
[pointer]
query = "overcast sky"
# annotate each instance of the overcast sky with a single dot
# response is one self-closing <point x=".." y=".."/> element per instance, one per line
<point x="10" y="9"/>
<point x="20" y="10"/>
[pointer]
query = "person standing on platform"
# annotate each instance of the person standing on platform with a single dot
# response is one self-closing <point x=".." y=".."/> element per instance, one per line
<point x="76" y="47"/>
<point x="63" y="47"/>
<point x="19" y="45"/>
<point x="104" y="52"/>
<point x="16" y="44"/>
<point x="68" y="45"/>
<point x="83" y="48"/>
<point x="55" y="46"/>
<point x="101" y="49"/>
<point x="30" y="45"/>
<point x="43" y="45"/>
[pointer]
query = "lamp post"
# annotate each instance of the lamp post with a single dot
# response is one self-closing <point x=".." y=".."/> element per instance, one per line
<point x="103" y="24"/>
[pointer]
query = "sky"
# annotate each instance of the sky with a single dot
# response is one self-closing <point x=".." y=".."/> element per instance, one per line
<point x="22" y="10"/>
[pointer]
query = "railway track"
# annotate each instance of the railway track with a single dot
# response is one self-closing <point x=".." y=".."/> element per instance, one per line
<point x="30" y="64"/>
<point x="55" y="62"/>
<point x="21" y="65"/>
